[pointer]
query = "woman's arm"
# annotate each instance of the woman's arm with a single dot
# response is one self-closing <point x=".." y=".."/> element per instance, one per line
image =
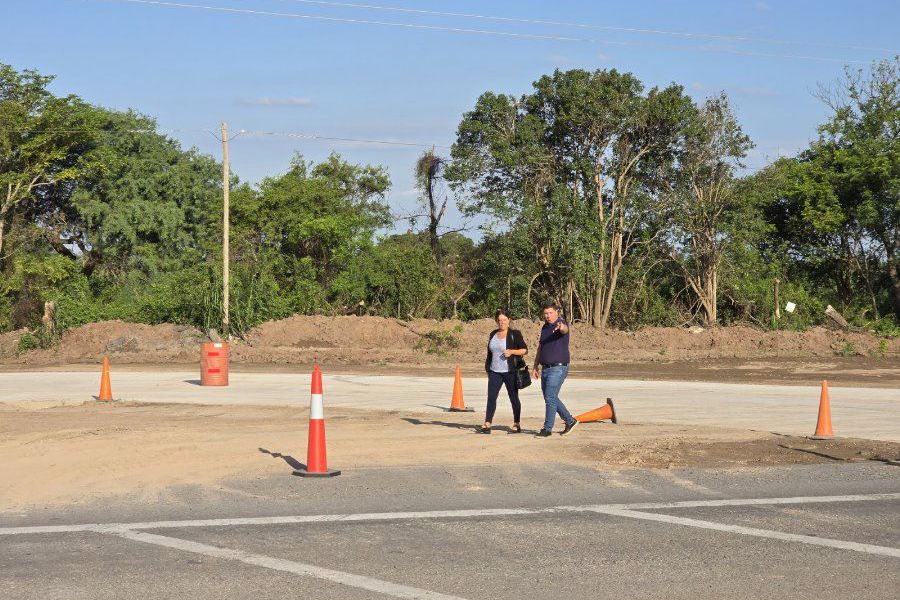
<point x="522" y="350"/>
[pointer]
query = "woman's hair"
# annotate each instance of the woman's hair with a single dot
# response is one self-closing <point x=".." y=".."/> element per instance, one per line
<point x="502" y="311"/>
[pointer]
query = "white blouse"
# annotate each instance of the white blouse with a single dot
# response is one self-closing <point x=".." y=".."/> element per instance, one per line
<point x="498" y="361"/>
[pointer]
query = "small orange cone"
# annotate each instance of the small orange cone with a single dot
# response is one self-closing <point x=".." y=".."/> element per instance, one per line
<point x="823" y="425"/>
<point x="457" y="404"/>
<point x="316" y="462"/>
<point x="607" y="411"/>
<point x="105" y="387"/>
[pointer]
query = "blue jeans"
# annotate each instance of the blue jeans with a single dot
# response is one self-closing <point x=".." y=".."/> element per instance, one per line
<point x="551" y="381"/>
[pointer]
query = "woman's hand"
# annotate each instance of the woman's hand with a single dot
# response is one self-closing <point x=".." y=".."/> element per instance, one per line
<point x="536" y="373"/>
<point x="507" y="353"/>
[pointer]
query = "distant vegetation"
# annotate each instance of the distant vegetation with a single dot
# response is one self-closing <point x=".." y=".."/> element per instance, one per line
<point x="626" y="205"/>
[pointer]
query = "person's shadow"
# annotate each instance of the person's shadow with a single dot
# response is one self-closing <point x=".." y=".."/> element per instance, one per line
<point x="290" y="460"/>
<point x="463" y="426"/>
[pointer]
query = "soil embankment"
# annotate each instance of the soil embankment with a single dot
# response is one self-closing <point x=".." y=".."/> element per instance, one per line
<point x="376" y="340"/>
<point x="375" y="345"/>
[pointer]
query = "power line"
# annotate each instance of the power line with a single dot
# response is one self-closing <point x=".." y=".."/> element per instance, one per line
<point x="490" y="32"/>
<point x="306" y="136"/>
<point x="682" y="34"/>
<point x="247" y="133"/>
<point x="268" y="13"/>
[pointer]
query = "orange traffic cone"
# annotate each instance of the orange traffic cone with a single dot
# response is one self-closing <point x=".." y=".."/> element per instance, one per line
<point x="457" y="404"/>
<point x="105" y="387"/>
<point x="316" y="463"/>
<point x="607" y="411"/>
<point x="823" y="425"/>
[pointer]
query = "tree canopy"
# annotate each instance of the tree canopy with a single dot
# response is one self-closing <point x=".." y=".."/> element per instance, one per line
<point x="628" y="205"/>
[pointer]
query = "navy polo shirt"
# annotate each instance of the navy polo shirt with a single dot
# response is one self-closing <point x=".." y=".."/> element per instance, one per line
<point x="554" y="345"/>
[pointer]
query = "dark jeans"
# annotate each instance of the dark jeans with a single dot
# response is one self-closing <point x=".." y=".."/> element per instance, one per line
<point x="551" y="381"/>
<point x="495" y="382"/>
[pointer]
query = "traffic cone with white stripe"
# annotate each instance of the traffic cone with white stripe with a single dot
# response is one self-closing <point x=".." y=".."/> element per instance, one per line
<point x="316" y="463"/>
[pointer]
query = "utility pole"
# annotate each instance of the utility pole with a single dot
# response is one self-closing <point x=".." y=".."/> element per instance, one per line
<point x="226" y="331"/>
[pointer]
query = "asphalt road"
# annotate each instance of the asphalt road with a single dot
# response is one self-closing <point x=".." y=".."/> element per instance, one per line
<point x="505" y="531"/>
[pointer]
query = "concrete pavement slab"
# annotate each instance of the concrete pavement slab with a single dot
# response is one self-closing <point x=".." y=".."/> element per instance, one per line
<point x="872" y="413"/>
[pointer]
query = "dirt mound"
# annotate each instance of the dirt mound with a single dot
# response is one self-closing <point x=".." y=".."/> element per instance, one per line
<point x="375" y="341"/>
<point x="128" y="342"/>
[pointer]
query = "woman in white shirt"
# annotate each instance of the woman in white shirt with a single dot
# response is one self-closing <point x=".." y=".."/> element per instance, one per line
<point x="505" y="350"/>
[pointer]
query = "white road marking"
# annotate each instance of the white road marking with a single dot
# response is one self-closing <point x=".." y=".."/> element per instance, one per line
<point x="349" y="579"/>
<point x="755" y="501"/>
<point x="50" y="529"/>
<point x="438" y="514"/>
<point x="752" y="531"/>
<point x="392" y="516"/>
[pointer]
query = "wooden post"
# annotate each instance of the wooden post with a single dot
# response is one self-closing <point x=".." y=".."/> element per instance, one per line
<point x="226" y="226"/>
<point x="777" y="302"/>
<point x="49" y="318"/>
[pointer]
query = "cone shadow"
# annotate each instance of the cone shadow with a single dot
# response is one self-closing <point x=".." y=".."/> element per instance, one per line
<point x="813" y="452"/>
<point x="290" y="460"/>
<point x="445" y="409"/>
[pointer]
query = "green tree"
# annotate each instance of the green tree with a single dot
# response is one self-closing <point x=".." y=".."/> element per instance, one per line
<point x="706" y="212"/>
<point x="859" y="152"/>
<point x="309" y="224"/>
<point x="575" y="166"/>
<point x="397" y="277"/>
<point x="429" y="175"/>
<point x="46" y="142"/>
<point x="835" y="208"/>
<point x="154" y="207"/>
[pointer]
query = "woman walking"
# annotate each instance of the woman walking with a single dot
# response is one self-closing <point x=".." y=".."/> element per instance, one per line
<point x="505" y="350"/>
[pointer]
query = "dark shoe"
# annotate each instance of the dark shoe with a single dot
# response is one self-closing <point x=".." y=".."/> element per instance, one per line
<point x="516" y="428"/>
<point x="569" y="427"/>
<point x="482" y="429"/>
<point x="543" y="433"/>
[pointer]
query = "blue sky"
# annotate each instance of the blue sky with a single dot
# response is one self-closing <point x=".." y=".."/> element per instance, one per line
<point x="192" y="68"/>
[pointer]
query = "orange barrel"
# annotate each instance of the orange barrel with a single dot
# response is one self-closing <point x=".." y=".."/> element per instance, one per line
<point x="214" y="363"/>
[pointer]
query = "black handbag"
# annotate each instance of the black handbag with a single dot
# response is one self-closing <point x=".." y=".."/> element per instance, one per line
<point x="523" y="378"/>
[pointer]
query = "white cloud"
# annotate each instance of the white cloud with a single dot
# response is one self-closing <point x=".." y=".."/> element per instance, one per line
<point x="269" y="101"/>
<point x="559" y="59"/>
<point x="754" y="91"/>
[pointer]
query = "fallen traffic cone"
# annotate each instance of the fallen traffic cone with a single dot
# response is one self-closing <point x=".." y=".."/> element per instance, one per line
<point x="457" y="404"/>
<point x="607" y="411"/>
<point x="316" y="464"/>
<point x="105" y="387"/>
<point x="823" y="425"/>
